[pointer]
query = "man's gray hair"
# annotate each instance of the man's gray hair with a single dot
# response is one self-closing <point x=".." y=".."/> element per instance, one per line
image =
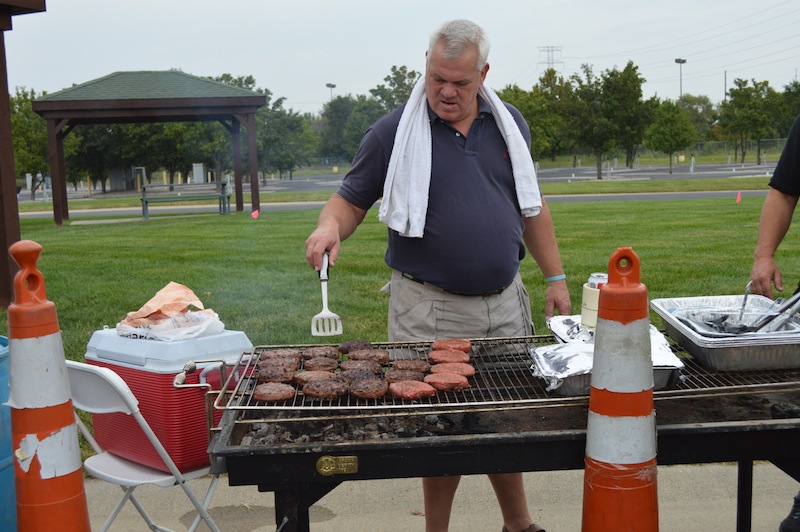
<point x="456" y="35"/>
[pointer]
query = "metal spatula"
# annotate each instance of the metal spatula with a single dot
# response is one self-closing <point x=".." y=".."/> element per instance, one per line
<point x="326" y="323"/>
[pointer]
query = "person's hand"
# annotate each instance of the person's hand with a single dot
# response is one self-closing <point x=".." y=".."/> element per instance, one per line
<point x="765" y="272"/>
<point x="557" y="299"/>
<point x="320" y="241"/>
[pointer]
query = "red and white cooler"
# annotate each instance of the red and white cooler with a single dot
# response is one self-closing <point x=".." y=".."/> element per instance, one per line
<point x="177" y="415"/>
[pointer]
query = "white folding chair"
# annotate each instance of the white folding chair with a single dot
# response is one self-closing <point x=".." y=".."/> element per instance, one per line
<point x="99" y="390"/>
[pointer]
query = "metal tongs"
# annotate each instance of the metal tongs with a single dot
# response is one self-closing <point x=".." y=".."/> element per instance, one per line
<point x="326" y="323"/>
<point x="777" y="317"/>
<point x="722" y="326"/>
<point x="786" y="311"/>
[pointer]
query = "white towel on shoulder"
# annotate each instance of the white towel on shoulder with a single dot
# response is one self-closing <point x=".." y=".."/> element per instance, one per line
<point x="405" y="193"/>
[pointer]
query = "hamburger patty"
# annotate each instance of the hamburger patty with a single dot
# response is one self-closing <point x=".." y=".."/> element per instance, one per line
<point x="320" y="364"/>
<point x="280" y="353"/>
<point x="454" y="367"/>
<point x="398" y="375"/>
<point x="352" y="345"/>
<point x="273" y="391"/>
<point x="369" y="365"/>
<point x="325" y="389"/>
<point x="351" y="375"/>
<point x="381" y="356"/>
<point x="369" y="388"/>
<point x="274" y="373"/>
<point x="411" y="390"/>
<point x="447" y="381"/>
<point x="304" y="377"/>
<point x="447" y="355"/>
<point x="320" y="351"/>
<point x="284" y="362"/>
<point x="284" y="357"/>
<point x="412" y="365"/>
<point x="452" y="343"/>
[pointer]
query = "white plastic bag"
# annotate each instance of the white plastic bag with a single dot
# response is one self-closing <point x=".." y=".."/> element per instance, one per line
<point x="167" y="317"/>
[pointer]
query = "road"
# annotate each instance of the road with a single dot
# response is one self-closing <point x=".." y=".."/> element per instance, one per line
<point x="545" y="175"/>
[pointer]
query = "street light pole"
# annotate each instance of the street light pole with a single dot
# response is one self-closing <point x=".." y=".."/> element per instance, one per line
<point x="680" y="65"/>
<point x="331" y="86"/>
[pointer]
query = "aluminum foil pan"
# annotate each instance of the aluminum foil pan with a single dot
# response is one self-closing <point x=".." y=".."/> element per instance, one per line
<point x="567" y="366"/>
<point x="729" y="352"/>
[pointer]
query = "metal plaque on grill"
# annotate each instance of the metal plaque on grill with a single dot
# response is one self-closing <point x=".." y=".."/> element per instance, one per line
<point x="337" y="465"/>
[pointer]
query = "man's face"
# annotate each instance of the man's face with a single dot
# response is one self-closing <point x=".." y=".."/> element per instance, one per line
<point x="452" y="84"/>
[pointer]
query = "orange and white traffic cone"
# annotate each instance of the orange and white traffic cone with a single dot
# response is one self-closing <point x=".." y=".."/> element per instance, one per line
<point x="619" y="489"/>
<point x="47" y="462"/>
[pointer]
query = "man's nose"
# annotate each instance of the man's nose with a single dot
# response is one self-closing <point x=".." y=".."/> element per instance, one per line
<point x="449" y="89"/>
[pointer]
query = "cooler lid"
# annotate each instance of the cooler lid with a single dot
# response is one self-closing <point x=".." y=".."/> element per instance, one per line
<point x="155" y="355"/>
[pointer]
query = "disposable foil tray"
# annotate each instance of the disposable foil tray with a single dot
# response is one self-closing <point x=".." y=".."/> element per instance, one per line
<point x="732" y="352"/>
<point x="567" y="366"/>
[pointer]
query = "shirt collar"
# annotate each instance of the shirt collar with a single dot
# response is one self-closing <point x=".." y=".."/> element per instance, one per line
<point x="483" y="108"/>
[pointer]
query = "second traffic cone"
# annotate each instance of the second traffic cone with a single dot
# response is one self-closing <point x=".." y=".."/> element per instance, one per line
<point x="47" y="462"/>
<point x="619" y="491"/>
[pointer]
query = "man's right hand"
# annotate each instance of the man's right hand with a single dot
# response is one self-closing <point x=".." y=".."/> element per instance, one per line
<point x="320" y="241"/>
<point x="337" y="221"/>
<point x="765" y="272"/>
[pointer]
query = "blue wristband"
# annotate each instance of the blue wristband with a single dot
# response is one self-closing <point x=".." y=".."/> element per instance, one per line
<point x="555" y="278"/>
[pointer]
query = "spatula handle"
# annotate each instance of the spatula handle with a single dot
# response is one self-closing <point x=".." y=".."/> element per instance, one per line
<point x="323" y="271"/>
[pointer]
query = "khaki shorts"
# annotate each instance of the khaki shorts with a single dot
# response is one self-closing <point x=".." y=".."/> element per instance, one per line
<point x="422" y="312"/>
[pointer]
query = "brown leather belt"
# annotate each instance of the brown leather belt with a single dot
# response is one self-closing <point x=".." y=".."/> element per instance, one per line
<point x="489" y="293"/>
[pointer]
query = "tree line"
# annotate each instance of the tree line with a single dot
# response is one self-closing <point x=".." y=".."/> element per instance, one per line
<point x="584" y="113"/>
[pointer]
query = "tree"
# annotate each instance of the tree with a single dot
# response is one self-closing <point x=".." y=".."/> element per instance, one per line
<point x="533" y="107"/>
<point x="28" y="133"/>
<point x="29" y="137"/>
<point x="243" y="82"/>
<point x="290" y="141"/>
<point x="556" y="93"/>
<point x="365" y="112"/>
<point x="586" y="118"/>
<point x="702" y="113"/>
<point x="790" y="108"/>
<point x="625" y="112"/>
<point x="747" y="113"/>
<point x="331" y="135"/>
<point x="142" y="146"/>
<point x="397" y="90"/>
<point x="100" y="151"/>
<point x="671" y="130"/>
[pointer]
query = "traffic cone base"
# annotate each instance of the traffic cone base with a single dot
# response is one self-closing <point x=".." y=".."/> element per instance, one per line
<point x="628" y="495"/>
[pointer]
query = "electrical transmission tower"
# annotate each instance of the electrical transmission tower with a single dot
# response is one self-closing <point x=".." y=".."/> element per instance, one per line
<point x="550" y="54"/>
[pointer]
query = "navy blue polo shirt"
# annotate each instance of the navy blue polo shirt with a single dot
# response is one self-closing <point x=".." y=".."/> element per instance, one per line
<point x="472" y="241"/>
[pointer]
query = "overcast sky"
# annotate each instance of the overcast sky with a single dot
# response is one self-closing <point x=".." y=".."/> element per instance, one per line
<point x="295" y="47"/>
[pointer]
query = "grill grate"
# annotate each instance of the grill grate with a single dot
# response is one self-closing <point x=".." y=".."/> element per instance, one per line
<point x="503" y="378"/>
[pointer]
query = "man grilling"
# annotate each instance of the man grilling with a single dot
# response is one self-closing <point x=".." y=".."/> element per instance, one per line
<point x="458" y="191"/>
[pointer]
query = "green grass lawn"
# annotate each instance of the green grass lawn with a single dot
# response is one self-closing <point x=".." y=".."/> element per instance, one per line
<point x="253" y="272"/>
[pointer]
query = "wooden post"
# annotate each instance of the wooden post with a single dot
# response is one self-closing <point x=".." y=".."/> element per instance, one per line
<point x="10" y="231"/>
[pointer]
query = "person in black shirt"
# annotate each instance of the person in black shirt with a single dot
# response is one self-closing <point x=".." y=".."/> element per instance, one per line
<point x="776" y="217"/>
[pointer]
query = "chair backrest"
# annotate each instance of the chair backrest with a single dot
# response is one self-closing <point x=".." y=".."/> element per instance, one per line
<point x="99" y="390"/>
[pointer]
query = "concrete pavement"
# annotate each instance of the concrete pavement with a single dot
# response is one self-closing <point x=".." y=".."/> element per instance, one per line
<point x="698" y="498"/>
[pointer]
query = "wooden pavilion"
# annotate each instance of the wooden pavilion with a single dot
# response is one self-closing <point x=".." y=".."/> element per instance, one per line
<point x="149" y="96"/>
